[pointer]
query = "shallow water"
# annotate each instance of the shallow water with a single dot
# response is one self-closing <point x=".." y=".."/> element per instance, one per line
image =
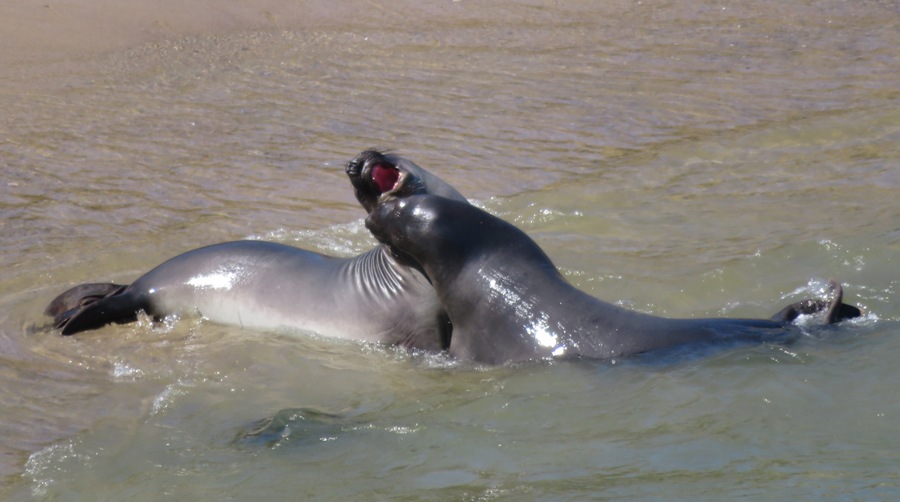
<point x="685" y="159"/>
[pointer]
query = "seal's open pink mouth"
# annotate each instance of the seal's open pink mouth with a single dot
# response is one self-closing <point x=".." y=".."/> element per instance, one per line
<point x="385" y="176"/>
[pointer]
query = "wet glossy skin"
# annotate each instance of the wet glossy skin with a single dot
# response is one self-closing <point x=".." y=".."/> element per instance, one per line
<point x="269" y="286"/>
<point x="507" y="301"/>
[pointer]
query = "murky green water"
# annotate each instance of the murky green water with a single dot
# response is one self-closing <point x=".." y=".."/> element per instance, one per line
<point x="686" y="159"/>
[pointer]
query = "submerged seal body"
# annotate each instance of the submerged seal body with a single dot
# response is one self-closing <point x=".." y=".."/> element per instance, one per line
<point x="507" y="301"/>
<point x="270" y="286"/>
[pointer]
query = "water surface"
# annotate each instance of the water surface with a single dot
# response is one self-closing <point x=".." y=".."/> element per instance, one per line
<point x="685" y="159"/>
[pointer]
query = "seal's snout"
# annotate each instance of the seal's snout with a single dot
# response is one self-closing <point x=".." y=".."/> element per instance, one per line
<point x="376" y="220"/>
<point x="383" y="218"/>
<point x="374" y="227"/>
<point x="354" y="167"/>
<point x="372" y="172"/>
<point x="357" y="164"/>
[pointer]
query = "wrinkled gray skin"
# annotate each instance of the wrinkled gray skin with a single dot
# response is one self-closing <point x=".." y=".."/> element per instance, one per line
<point x="269" y="286"/>
<point x="507" y="301"/>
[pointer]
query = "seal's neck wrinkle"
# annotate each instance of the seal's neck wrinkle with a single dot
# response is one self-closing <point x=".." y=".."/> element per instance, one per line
<point x="377" y="274"/>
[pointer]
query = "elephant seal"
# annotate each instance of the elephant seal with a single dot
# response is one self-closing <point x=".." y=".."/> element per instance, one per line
<point x="507" y="301"/>
<point x="270" y="286"/>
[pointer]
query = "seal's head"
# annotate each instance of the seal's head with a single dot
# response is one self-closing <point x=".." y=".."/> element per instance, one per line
<point x="376" y="175"/>
<point x="391" y="224"/>
<point x="436" y="232"/>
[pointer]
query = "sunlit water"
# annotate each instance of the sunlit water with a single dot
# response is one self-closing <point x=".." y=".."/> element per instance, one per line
<point x="686" y="159"/>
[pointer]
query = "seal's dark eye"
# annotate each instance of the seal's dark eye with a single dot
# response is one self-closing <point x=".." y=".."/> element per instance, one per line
<point x="385" y="176"/>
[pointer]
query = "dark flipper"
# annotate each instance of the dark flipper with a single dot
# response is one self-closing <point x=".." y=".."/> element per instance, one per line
<point x="80" y="296"/>
<point x="834" y="309"/>
<point x="90" y="306"/>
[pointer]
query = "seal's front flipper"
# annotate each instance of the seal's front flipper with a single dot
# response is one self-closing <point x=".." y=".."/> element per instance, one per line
<point x="90" y="306"/>
<point x="835" y="310"/>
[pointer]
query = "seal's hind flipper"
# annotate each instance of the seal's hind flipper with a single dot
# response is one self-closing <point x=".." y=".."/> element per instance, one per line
<point x="835" y="310"/>
<point x="90" y="306"/>
<point x="80" y="296"/>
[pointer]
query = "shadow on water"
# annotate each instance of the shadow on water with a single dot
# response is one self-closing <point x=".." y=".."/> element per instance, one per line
<point x="296" y="426"/>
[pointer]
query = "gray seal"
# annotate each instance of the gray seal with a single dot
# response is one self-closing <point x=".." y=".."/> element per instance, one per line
<point x="268" y="286"/>
<point x="507" y="301"/>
